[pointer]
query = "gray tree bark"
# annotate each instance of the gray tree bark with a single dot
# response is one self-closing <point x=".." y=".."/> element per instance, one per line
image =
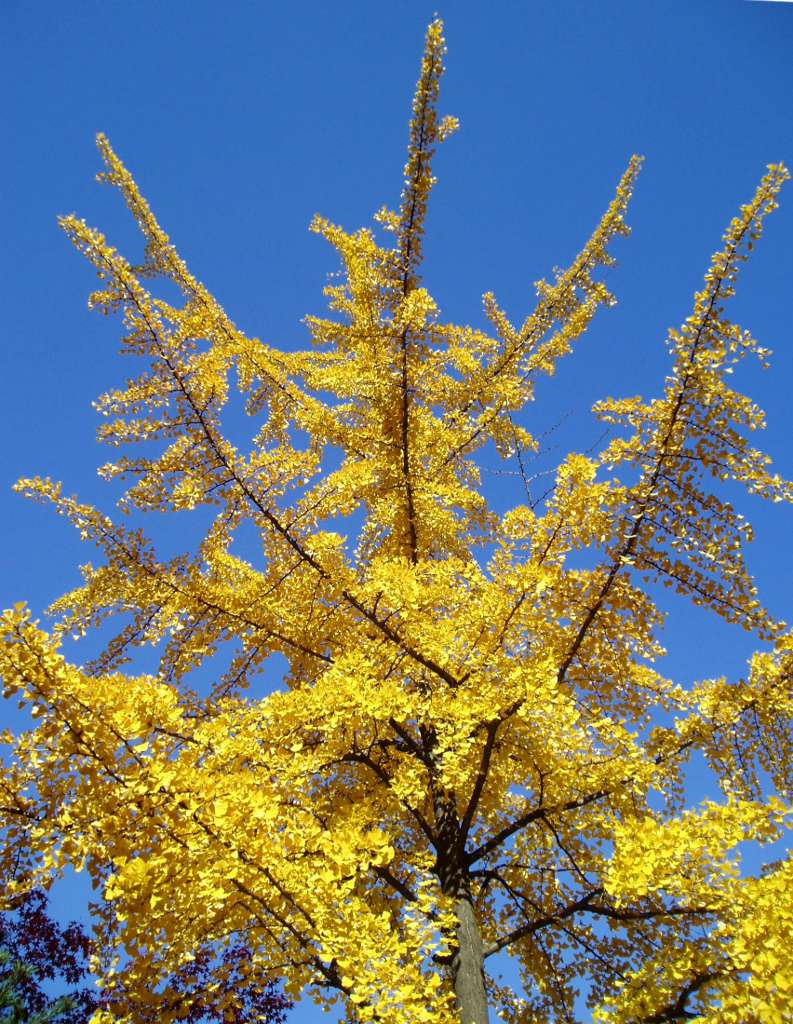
<point x="468" y="959"/>
<point x="468" y="973"/>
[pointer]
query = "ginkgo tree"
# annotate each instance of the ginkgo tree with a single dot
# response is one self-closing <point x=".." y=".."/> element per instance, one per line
<point x="473" y="750"/>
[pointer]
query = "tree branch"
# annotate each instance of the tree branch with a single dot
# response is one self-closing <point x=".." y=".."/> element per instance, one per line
<point x="525" y="819"/>
<point x="542" y="922"/>
<point x="479" y="784"/>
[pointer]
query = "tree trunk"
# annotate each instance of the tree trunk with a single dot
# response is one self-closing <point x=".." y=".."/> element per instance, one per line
<point x="468" y="960"/>
<point x="468" y="965"/>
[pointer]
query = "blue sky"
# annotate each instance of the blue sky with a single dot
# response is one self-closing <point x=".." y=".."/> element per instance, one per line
<point x="240" y="120"/>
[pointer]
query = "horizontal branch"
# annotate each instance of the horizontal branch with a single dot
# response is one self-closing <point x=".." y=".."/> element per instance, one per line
<point x="530" y="927"/>
<point x="525" y="819"/>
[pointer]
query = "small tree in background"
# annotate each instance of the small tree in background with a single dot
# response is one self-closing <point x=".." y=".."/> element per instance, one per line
<point x="35" y="951"/>
<point x="15" y="977"/>
<point x="473" y="750"/>
<point x="36" y="954"/>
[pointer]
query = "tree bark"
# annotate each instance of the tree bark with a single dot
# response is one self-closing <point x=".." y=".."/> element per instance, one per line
<point x="468" y="973"/>
<point x="468" y="959"/>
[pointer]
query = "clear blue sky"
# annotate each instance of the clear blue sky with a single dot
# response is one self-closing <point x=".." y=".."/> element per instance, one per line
<point x="240" y="120"/>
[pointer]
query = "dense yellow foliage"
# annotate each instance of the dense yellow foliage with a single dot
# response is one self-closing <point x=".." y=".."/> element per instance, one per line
<point x="455" y="730"/>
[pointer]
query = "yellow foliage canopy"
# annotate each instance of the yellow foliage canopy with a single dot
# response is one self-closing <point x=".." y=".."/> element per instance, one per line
<point x="469" y="753"/>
